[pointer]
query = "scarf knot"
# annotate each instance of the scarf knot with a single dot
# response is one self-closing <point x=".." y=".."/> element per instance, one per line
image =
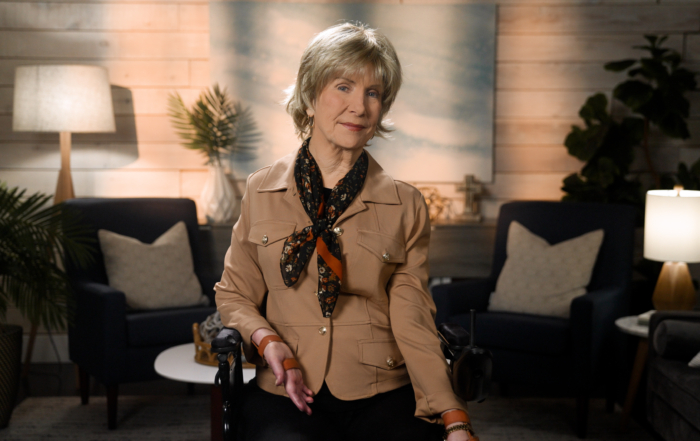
<point x="300" y="245"/>
<point x="321" y="226"/>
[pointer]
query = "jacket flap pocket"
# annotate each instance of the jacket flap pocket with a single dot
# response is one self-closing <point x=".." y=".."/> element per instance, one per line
<point x="385" y="247"/>
<point x="383" y="354"/>
<point x="267" y="232"/>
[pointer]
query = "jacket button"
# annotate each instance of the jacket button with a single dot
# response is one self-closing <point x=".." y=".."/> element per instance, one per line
<point x="386" y="257"/>
<point x="390" y="362"/>
<point x="264" y="239"/>
<point x="338" y="231"/>
<point x="322" y="330"/>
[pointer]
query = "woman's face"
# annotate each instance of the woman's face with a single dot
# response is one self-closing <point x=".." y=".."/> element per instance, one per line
<point x="347" y="111"/>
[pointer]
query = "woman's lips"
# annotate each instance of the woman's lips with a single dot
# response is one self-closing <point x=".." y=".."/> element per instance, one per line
<point x="353" y="127"/>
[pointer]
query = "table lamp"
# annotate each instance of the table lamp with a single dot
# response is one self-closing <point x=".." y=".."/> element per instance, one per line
<point x="65" y="99"/>
<point x="672" y="235"/>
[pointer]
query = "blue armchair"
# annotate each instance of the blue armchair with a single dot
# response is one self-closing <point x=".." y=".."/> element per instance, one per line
<point x="108" y="340"/>
<point x="572" y="354"/>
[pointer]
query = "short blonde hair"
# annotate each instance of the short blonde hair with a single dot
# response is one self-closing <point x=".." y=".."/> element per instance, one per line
<point x="343" y="49"/>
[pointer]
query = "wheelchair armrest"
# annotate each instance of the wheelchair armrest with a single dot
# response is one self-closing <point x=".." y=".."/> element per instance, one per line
<point x="229" y="378"/>
<point x="471" y="366"/>
<point x="454" y="334"/>
<point x="226" y="341"/>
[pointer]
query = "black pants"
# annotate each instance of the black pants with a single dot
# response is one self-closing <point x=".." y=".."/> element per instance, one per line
<point x="383" y="417"/>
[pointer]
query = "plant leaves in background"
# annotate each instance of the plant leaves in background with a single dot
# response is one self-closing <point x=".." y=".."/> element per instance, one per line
<point x="35" y="240"/>
<point x="215" y="125"/>
<point x="619" y="66"/>
<point x="655" y="92"/>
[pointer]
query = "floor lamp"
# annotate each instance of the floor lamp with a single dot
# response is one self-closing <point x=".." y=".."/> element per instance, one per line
<point x="672" y="235"/>
<point x="65" y="99"/>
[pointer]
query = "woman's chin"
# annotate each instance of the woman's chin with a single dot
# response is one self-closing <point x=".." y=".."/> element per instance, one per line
<point x="356" y="142"/>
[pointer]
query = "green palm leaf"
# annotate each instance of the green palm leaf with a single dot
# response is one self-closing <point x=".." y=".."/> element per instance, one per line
<point x="35" y="240"/>
<point x="215" y="125"/>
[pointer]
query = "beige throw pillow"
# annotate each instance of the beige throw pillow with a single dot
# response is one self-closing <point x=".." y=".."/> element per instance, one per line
<point x="539" y="278"/>
<point x="695" y="362"/>
<point x="159" y="275"/>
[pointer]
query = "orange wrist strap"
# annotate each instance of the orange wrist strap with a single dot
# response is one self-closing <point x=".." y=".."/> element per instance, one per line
<point x="265" y="341"/>
<point x="290" y="363"/>
<point x="455" y="416"/>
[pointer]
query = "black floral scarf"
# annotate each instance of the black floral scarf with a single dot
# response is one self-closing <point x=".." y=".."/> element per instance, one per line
<point x="299" y="247"/>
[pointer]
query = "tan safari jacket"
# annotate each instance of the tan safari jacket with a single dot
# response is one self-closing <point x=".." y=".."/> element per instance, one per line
<point x="382" y="333"/>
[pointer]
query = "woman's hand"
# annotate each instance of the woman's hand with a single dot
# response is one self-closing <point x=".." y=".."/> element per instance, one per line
<point x="275" y="353"/>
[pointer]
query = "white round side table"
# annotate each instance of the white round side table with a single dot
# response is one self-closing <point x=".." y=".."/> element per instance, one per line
<point x="177" y="363"/>
<point x="629" y="325"/>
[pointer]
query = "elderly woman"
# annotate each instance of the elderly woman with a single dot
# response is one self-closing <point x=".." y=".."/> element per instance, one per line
<point x="326" y="276"/>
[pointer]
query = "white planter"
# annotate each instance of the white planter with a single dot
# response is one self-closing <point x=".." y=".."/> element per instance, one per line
<point x="218" y="198"/>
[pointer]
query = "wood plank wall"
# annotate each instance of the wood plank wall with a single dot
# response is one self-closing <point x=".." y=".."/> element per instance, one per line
<point x="549" y="59"/>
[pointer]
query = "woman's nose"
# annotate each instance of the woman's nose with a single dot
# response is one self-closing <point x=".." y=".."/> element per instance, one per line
<point x="357" y="103"/>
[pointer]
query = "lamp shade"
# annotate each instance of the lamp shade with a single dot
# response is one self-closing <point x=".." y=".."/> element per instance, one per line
<point x="65" y="98"/>
<point x="672" y="226"/>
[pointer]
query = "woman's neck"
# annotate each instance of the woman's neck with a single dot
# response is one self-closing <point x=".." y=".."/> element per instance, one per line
<point x="333" y="162"/>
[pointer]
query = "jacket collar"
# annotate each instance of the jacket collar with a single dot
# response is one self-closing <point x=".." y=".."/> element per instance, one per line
<point x="379" y="187"/>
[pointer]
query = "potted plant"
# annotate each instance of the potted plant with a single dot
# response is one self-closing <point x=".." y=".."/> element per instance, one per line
<point x="654" y="96"/>
<point x="35" y="240"/>
<point x="218" y="127"/>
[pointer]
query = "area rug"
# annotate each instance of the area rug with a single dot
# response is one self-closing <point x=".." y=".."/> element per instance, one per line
<point x="175" y="418"/>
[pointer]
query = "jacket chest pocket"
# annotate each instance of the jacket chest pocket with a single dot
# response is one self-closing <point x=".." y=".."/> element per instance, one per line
<point x="269" y="236"/>
<point x="375" y="259"/>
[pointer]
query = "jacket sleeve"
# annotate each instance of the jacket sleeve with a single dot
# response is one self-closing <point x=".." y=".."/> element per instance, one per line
<point x="242" y="289"/>
<point x="412" y="313"/>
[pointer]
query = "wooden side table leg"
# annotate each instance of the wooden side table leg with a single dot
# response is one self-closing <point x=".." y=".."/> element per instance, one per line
<point x="217" y="428"/>
<point x="637" y="370"/>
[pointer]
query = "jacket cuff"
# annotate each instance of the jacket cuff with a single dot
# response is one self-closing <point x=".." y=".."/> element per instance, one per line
<point x="430" y="407"/>
<point x="251" y="353"/>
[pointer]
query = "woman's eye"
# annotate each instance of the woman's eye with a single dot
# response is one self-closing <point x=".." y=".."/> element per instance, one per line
<point x="373" y="94"/>
<point x="343" y="88"/>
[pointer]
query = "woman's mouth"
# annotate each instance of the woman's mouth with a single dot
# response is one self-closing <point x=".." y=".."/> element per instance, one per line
<point x="352" y="127"/>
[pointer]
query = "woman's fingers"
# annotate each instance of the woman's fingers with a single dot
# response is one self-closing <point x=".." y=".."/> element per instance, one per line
<point x="307" y="391"/>
<point x="275" y="354"/>
<point x="297" y="391"/>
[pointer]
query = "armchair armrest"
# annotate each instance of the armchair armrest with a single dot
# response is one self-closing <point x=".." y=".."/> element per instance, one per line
<point x="208" y="281"/>
<point x="459" y="297"/>
<point x="660" y="316"/>
<point x="97" y="338"/>
<point x="592" y="319"/>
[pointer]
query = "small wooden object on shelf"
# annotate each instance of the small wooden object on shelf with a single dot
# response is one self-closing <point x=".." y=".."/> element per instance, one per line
<point x="202" y="350"/>
<point x="471" y="190"/>
<point x="203" y="354"/>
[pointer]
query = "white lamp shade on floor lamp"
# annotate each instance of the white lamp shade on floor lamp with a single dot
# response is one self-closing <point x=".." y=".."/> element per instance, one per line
<point x="672" y="235"/>
<point x="69" y="98"/>
<point x="65" y="99"/>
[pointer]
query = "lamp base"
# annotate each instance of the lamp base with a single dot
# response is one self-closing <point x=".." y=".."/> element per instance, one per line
<point x="64" y="187"/>
<point x="674" y="289"/>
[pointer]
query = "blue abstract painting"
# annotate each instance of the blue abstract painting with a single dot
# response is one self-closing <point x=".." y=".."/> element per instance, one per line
<point x="443" y="115"/>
